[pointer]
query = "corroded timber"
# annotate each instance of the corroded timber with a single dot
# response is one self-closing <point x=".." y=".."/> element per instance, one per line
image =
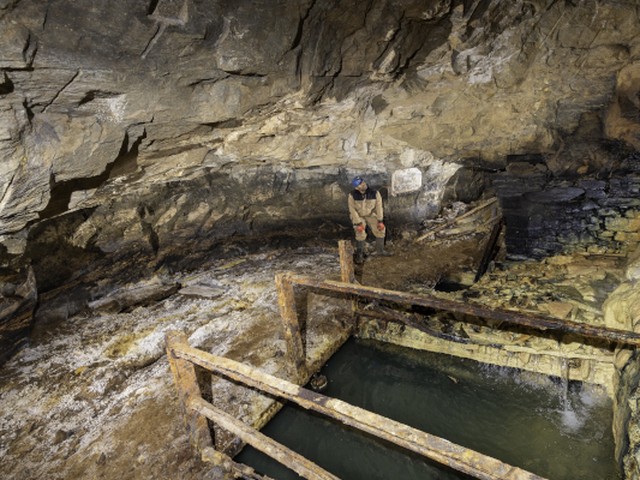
<point x="184" y="376"/>
<point x="287" y="457"/>
<point x="347" y="272"/>
<point x="436" y="448"/>
<point x="537" y="322"/>
<point x="295" y="349"/>
<point x="489" y="249"/>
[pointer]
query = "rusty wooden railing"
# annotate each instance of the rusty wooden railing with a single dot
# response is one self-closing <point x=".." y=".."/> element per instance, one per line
<point x="182" y="358"/>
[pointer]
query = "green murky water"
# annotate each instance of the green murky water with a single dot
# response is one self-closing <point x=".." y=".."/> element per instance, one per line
<point x="555" y="430"/>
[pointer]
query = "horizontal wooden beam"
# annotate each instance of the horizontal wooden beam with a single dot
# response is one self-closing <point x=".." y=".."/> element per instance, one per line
<point x="430" y="446"/>
<point x="536" y="322"/>
<point x="247" y="434"/>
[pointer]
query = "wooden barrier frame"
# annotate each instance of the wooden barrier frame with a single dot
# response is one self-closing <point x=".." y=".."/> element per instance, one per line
<point x="296" y="354"/>
<point x="198" y="410"/>
<point x="182" y="358"/>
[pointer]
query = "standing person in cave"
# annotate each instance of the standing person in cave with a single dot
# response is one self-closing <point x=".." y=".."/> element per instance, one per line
<point x="365" y="208"/>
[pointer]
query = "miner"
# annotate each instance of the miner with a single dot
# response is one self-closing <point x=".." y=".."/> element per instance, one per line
<point x="365" y="209"/>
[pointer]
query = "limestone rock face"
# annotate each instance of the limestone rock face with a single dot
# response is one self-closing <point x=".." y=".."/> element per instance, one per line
<point x="139" y="128"/>
<point x="622" y="308"/>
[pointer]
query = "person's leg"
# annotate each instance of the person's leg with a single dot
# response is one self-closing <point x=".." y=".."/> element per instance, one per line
<point x="379" y="235"/>
<point x="359" y="251"/>
<point x="360" y="239"/>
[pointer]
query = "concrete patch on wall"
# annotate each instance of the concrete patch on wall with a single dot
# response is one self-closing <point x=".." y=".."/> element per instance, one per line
<point x="405" y="181"/>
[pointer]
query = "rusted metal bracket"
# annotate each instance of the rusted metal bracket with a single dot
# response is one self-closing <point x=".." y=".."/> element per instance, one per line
<point x="438" y="449"/>
<point x="536" y="322"/>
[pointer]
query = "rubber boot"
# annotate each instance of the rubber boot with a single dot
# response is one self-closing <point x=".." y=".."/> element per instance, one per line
<point x="380" y="248"/>
<point x="359" y="251"/>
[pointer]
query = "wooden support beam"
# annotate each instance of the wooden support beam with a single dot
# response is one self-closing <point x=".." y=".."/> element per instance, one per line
<point x="296" y="355"/>
<point x="436" y="448"/>
<point x="489" y="250"/>
<point x="184" y="376"/>
<point x="536" y="322"/>
<point x="347" y="271"/>
<point x="285" y="456"/>
<point x="347" y="275"/>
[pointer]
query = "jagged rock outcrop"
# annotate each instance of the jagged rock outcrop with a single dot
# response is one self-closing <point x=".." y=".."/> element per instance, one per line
<point x="134" y="131"/>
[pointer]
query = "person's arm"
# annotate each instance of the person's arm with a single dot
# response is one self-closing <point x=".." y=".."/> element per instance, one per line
<point x="353" y="214"/>
<point x="379" y="211"/>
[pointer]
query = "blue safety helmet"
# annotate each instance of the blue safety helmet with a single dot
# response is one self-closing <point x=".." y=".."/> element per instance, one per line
<point x="356" y="181"/>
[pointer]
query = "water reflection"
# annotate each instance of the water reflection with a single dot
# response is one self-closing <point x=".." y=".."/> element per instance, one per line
<point x="555" y="429"/>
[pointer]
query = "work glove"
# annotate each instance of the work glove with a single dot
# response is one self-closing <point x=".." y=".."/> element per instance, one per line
<point x="380" y="226"/>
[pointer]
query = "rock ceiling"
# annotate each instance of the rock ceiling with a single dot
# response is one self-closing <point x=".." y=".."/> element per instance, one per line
<point x="142" y="127"/>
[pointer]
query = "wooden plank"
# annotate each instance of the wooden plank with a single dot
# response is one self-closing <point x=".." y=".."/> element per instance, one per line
<point x="296" y="355"/>
<point x="489" y="250"/>
<point x="536" y="322"/>
<point x="347" y="271"/>
<point x="436" y="448"/>
<point x="186" y="382"/>
<point x="489" y="202"/>
<point x="412" y="320"/>
<point x="347" y="275"/>
<point x="266" y="445"/>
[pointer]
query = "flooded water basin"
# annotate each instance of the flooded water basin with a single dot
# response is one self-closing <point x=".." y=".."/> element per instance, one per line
<point x="555" y="429"/>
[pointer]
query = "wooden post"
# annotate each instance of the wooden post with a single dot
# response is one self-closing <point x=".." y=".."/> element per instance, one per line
<point x="186" y="382"/>
<point x="443" y="451"/>
<point x="347" y="271"/>
<point x="489" y="250"/>
<point x="295" y="350"/>
<point x="347" y="275"/>
<point x="290" y="459"/>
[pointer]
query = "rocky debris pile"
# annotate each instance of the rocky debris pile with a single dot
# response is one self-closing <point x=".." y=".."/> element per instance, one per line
<point x="572" y="287"/>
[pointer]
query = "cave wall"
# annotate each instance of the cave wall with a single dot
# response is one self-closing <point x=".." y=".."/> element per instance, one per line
<point x="545" y="216"/>
<point x="138" y="130"/>
<point x="98" y="103"/>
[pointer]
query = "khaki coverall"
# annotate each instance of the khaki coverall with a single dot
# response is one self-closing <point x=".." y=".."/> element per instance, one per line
<point x="366" y="207"/>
